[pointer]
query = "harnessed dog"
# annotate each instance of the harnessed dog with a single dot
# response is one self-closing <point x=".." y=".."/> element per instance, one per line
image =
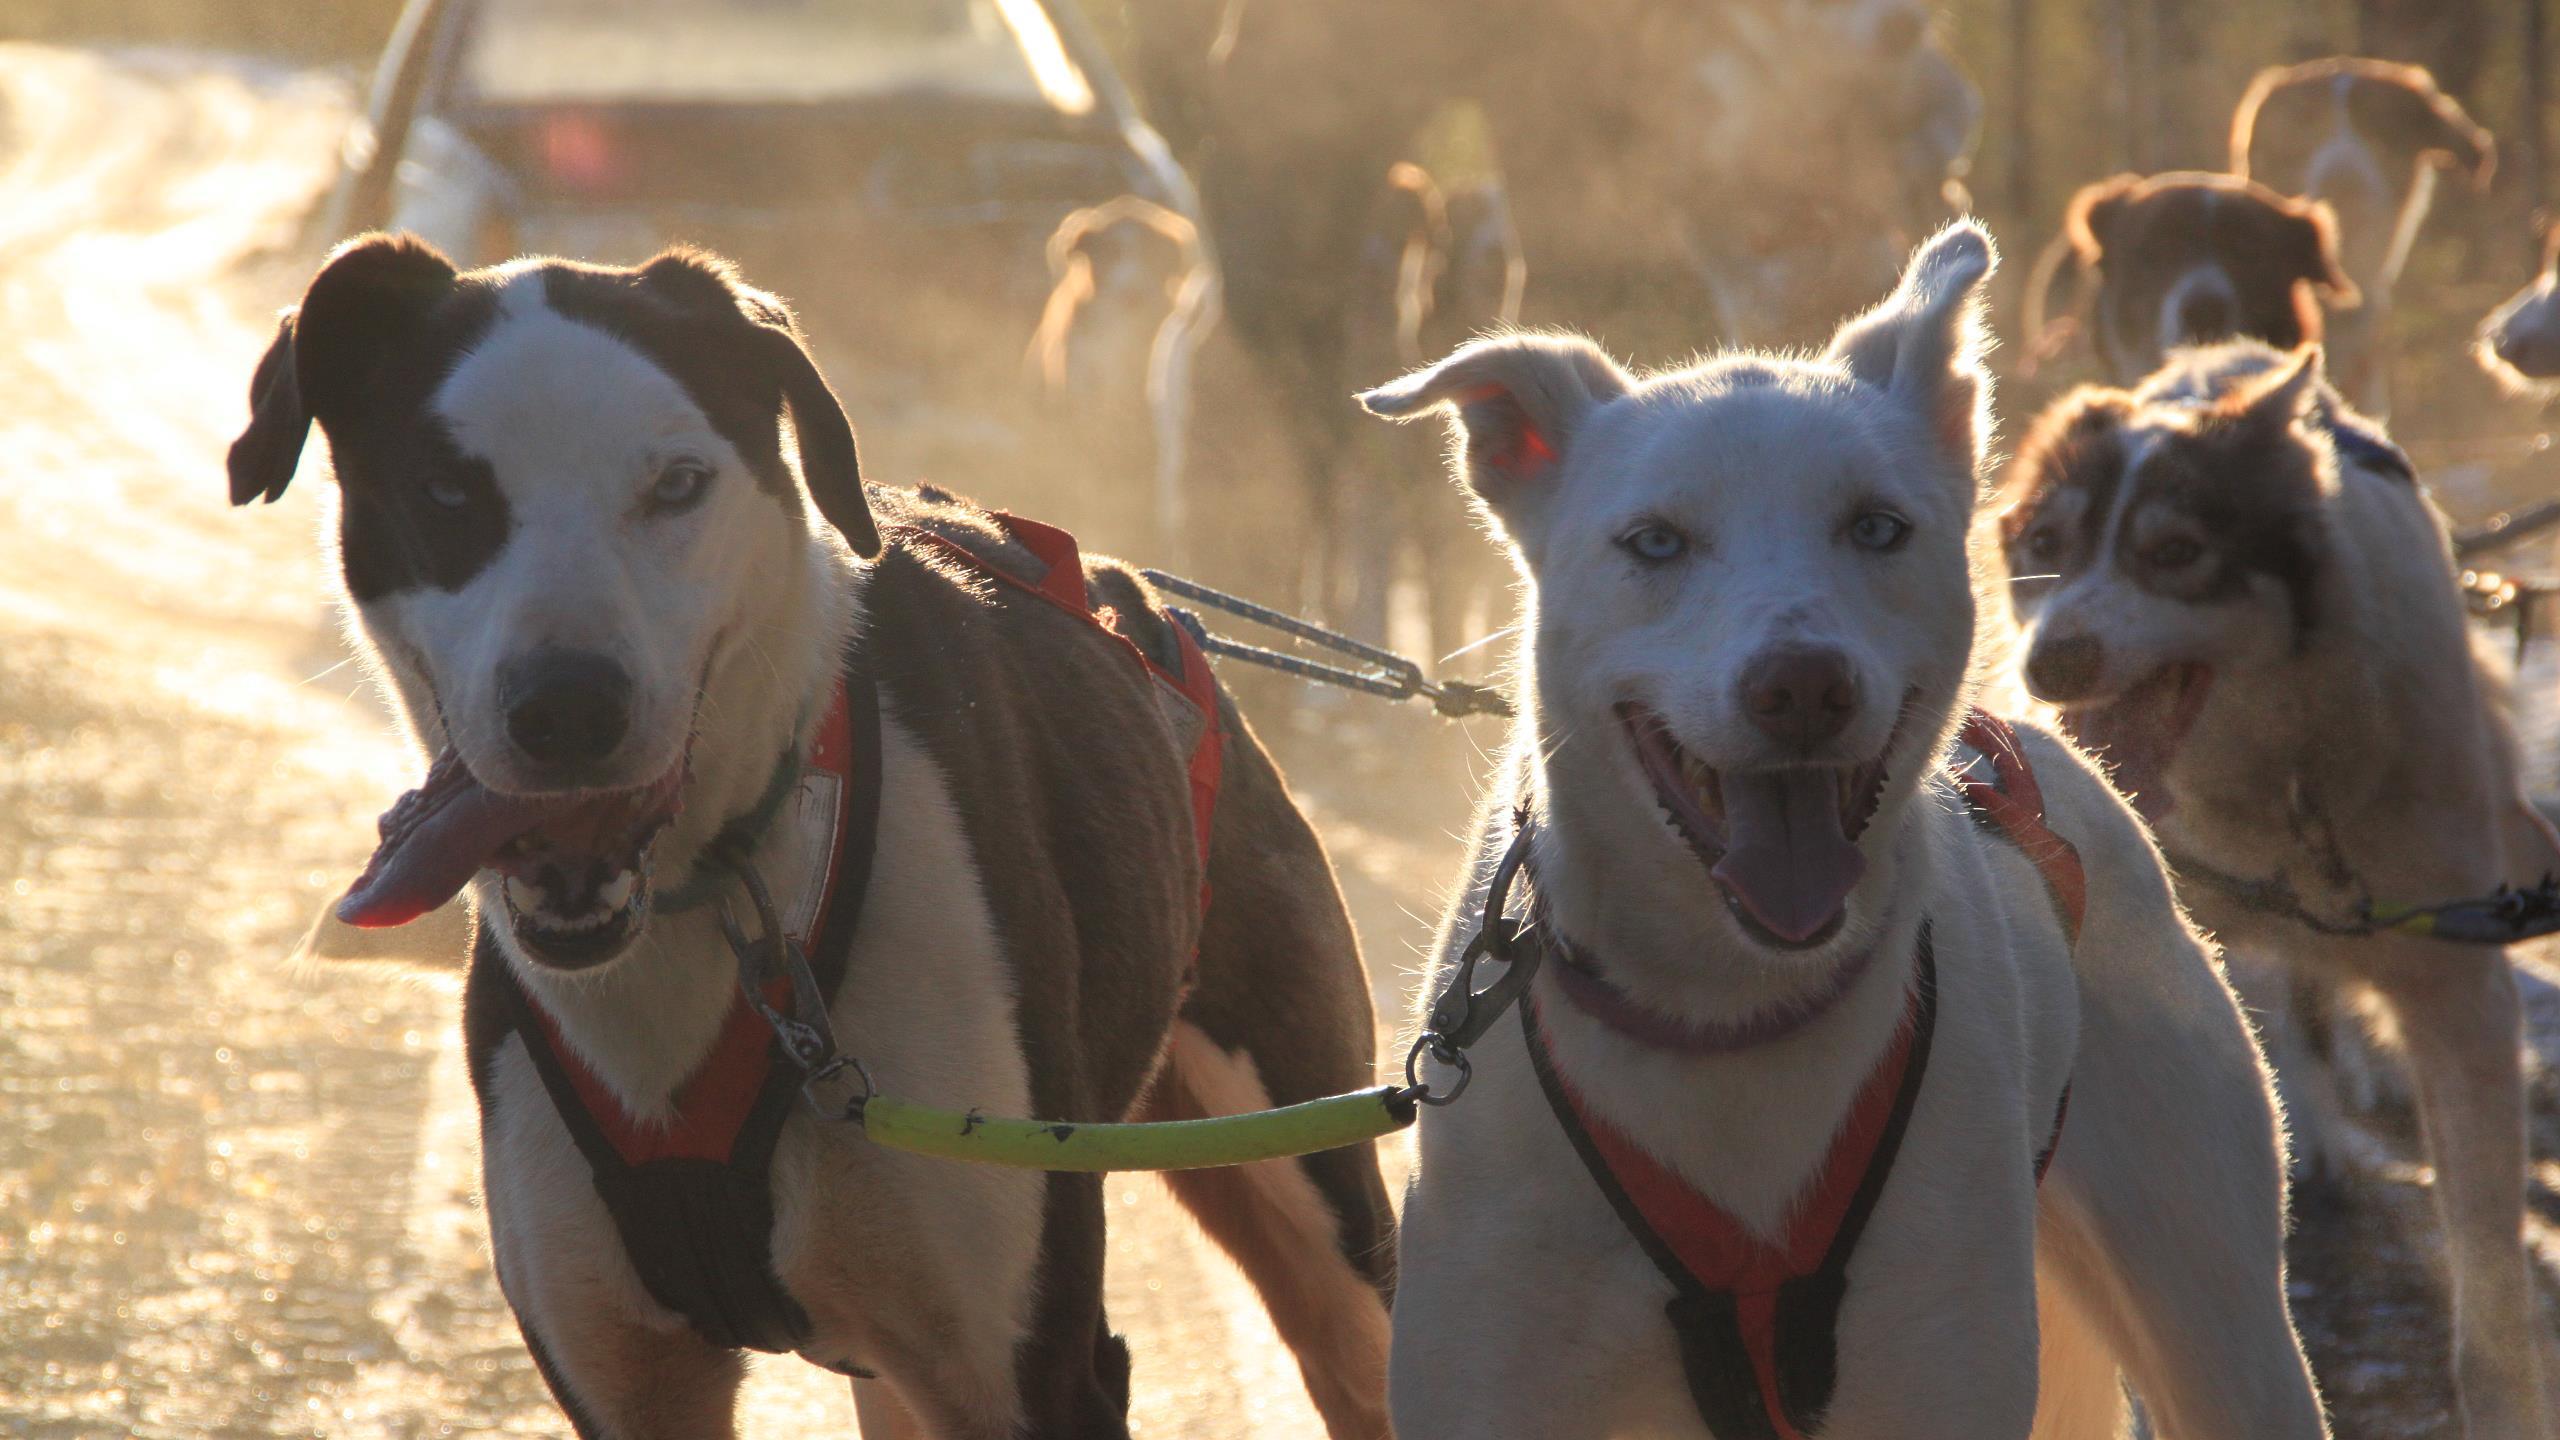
<point x="1764" y="1157"/>
<point x="1038" y="860"/>
<point x="2247" y="605"/>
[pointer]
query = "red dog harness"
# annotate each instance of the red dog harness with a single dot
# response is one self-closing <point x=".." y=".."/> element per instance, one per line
<point x="1757" y="1320"/>
<point x="691" y="1194"/>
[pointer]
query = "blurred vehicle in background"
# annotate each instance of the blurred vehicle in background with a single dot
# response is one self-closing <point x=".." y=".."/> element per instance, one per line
<point x="894" y="167"/>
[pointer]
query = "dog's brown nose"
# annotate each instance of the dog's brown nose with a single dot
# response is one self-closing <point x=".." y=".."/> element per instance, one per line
<point x="2062" y="670"/>
<point x="1800" y="697"/>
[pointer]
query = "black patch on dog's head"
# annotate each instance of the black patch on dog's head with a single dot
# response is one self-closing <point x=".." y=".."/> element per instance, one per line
<point x="2256" y="480"/>
<point x="2243" y="468"/>
<point x="382" y="327"/>
<point x="740" y="355"/>
<point x="360" y="356"/>
<point x="2063" y="483"/>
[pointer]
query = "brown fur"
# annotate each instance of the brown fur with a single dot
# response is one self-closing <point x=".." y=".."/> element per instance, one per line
<point x="1072" y="790"/>
<point x="2137" y="235"/>
<point x="2390" y="103"/>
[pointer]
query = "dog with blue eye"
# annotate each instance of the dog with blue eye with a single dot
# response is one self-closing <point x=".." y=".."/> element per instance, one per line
<point x="1871" y="1082"/>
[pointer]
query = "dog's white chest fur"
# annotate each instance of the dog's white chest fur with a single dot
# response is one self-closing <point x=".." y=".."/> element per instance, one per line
<point x="927" y="1002"/>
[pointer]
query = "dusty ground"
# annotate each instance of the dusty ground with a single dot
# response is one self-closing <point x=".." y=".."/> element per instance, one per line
<point x="236" y="1197"/>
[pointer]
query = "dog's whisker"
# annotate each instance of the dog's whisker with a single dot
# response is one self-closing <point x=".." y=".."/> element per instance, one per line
<point x="1473" y="646"/>
<point x="325" y="674"/>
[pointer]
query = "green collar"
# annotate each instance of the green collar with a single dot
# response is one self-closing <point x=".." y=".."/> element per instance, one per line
<point x="738" y="837"/>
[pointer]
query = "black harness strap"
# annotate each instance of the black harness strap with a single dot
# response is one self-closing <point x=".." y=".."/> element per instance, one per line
<point x="700" y="1232"/>
<point x="1715" y="1353"/>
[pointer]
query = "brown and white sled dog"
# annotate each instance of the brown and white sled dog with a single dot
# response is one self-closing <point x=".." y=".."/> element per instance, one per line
<point x="2255" y="618"/>
<point x="614" y="600"/>
<point x="1751" y="637"/>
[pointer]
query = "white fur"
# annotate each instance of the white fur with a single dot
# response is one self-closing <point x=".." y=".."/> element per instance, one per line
<point x="731" y="620"/>
<point x="1525" y="1309"/>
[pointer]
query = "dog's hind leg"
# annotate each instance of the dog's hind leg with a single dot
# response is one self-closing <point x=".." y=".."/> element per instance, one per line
<point x="2164" y="1213"/>
<point x="2460" y="1018"/>
<point x="1280" y="1013"/>
<point x="1275" y="1220"/>
<point x="2079" y="1392"/>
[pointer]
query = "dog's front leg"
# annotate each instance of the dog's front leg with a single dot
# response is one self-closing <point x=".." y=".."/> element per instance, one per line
<point x="2459" y="1012"/>
<point x="617" y="1380"/>
<point x="1482" y="1353"/>
<point x="2164" y="1214"/>
<point x="1523" y="1311"/>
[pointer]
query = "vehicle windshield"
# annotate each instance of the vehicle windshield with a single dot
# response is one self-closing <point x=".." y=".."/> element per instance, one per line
<point x="765" y="51"/>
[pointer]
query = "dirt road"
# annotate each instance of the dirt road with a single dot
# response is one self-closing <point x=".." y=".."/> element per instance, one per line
<point x="236" y="1197"/>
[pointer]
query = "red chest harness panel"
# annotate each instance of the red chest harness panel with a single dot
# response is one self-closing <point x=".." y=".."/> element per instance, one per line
<point x="691" y="1195"/>
<point x="1756" y="1321"/>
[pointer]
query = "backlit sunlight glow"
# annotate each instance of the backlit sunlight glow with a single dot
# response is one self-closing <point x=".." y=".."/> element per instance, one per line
<point x="1060" y="82"/>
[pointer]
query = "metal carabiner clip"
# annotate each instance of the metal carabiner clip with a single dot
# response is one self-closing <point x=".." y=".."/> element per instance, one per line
<point x="1463" y="1013"/>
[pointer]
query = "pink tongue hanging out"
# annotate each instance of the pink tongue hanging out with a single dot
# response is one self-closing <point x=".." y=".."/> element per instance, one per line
<point x="1787" y="859"/>
<point x="435" y="838"/>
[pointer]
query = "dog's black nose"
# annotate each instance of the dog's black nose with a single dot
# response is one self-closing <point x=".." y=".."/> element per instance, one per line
<point x="1800" y="697"/>
<point x="2064" y="670"/>
<point x="565" y="708"/>
<point x="2204" y="316"/>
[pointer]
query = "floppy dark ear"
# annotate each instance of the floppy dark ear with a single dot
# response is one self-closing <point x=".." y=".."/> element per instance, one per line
<point x="370" y="292"/>
<point x="829" y="465"/>
<point x="2305" y="243"/>
<point x="1515" y="402"/>
<point x="2093" y="214"/>
<point x="265" y="456"/>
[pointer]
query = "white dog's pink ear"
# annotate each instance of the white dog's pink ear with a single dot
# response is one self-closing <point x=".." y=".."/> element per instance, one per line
<point x="1925" y="343"/>
<point x="1515" y="402"/>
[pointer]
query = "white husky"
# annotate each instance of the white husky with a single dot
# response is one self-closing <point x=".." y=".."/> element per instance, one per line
<point x="1764" y="910"/>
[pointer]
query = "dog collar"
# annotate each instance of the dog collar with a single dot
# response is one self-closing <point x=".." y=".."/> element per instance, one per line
<point x="740" y="834"/>
<point x="1756" y="1319"/>
<point x="1578" y="979"/>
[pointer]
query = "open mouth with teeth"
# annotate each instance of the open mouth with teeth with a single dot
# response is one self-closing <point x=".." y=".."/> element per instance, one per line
<point x="1780" y="843"/>
<point x="2139" y="731"/>
<point x="574" y="865"/>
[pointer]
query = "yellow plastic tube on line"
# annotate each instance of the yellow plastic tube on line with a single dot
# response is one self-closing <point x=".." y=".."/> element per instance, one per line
<point x="1301" y="1129"/>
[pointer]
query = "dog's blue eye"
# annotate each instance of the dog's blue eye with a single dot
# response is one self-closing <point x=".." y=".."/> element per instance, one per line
<point x="679" y="486"/>
<point x="448" y="492"/>
<point x="1879" y="530"/>
<point x="1655" y="543"/>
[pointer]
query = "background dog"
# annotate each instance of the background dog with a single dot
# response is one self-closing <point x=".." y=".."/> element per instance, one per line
<point x="2367" y="138"/>
<point x="2253" y="615"/>
<point x="2186" y="258"/>
<point x="1751" y="635"/>
<point x="613" y="601"/>
<point x="2520" y="340"/>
